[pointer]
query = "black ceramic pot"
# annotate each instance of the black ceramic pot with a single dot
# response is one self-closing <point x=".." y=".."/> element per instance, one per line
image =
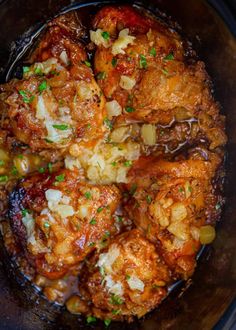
<point x="208" y="301"/>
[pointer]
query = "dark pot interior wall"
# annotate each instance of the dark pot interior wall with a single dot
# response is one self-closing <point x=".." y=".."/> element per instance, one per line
<point x="213" y="284"/>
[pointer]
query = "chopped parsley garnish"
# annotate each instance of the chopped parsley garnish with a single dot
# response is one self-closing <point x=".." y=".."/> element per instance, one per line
<point x="116" y="300"/>
<point x="61" y="127"/>
<point x="41" y="170"/>
<point x="190" y="189"/>
<point x="99" y="210"/>
<point x="20" y="156"/>
<point x="102" y="271"/>
<point x="55" y="73"/>
<point x="46" y="224"/>
<point x="169" y="57"/>
<point x="14" y="171"/>
<point x="149" y="199"/>
<point x="48" y="140"/>
<point x="87" y="63"/>
<point x="128" y="277"/>
<point x="3" y="178"/>
<point x="91" y="319"/>
<point x="218" y="206"/>
<point x="26" y="69"/>
<point x="24" y="212"/>
<point x="119" y="218"/>
<point x="181" y="189"/>
<point x="93" y="222"/>
<point x="101" y="75"/>
<point x="116" y="311"/>
<point x="91" y="244"/>
<point x="165" y="71"/>
<point x="153" y="52"/>
<point x="2" y="162"/>
<point x="128" y="163"/>
<point x="114" y="62"/>
<point x="108" y="123"/>
<point x="38" y="71"/>
<point x="107" y="322"/>
<point x="27" y="96"/>
<point x="50" y="167"/>
<point x="88" y="195"/>
<point x="129" y="109"/>
<point x="106" y="35"/>
<point x="133" y="189"/>
<point x="60" y="178"/>
<point x="142" y="62"/>
<point x="114" y="163"/>
<point x="42" y="86"/>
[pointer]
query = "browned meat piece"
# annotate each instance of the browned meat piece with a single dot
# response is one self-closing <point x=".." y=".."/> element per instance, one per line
<point x="58" y="101"/>
<point x="129" y="278"/>
<point x="176" y="205"/>
<point x="146" y="71"/>
<point x="59" y="220"/>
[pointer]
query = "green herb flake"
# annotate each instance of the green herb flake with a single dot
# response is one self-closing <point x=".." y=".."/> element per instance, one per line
<point x="153" y="52"/>
<point x="108" y="123"/>
<point x="88" y="126"/>
<point x="99" y="210"/>
<point x="26" y="96"/>
<point x="148" y="199"/>
<point x="128" y="277"/>
<point x="101" y="75"/>
<point x="38" y="71"/>
<point x="114" y="163"/>
<point x="119" y="218"/>
<point x="50" y="167"/>
<point x="116" y="300"/>
<point x="102" y="271"/>
<point x="169" y="57"/>
<point x="190" y="189"/>
<point x="46" y="225"/>
<point x="91" y="244"/>
<point x="107" y="322"/>
<point x="24" y="212"/>
<point x="106" y="35"/>
<point x="165" y="71"/>
<point x="128" y="163"/>
<point x="48" y="140"/>
<point x="2" y="162"/>
<point x="129" y="109"/>
<point x="20" y="156"/>
<point x="116" y="311"/>
<point x="26" y="69"/>
<point x="91" y="319"/>
<point x="3" y="178"/>
<point x="87" y="63"/>
<point x="41" y="170"/>
<point x="88" y="195"/>
<point x="61" y="127"/>
<point x="181" y="189"/>
<point x="114" y="62"/>
<point x="142" y="61"/>
<point x="42" y="86"/>
<point x="93" y="221"/>
<point x="218" y="206"/>
<point x="14" y="171"/>
<point x="60" y="178"/>
<point x="133" y="189"/>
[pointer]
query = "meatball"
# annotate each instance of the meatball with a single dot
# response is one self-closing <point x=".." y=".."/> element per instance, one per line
<point x="58" y="220"/>
<point x="58" y="101"/>
<point x="132" y="63"/>
<point x="129" y="278"/>
<point x="174" y="203"/>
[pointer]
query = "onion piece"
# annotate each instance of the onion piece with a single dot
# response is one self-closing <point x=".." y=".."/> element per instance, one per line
<point x="148" y="134"/>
